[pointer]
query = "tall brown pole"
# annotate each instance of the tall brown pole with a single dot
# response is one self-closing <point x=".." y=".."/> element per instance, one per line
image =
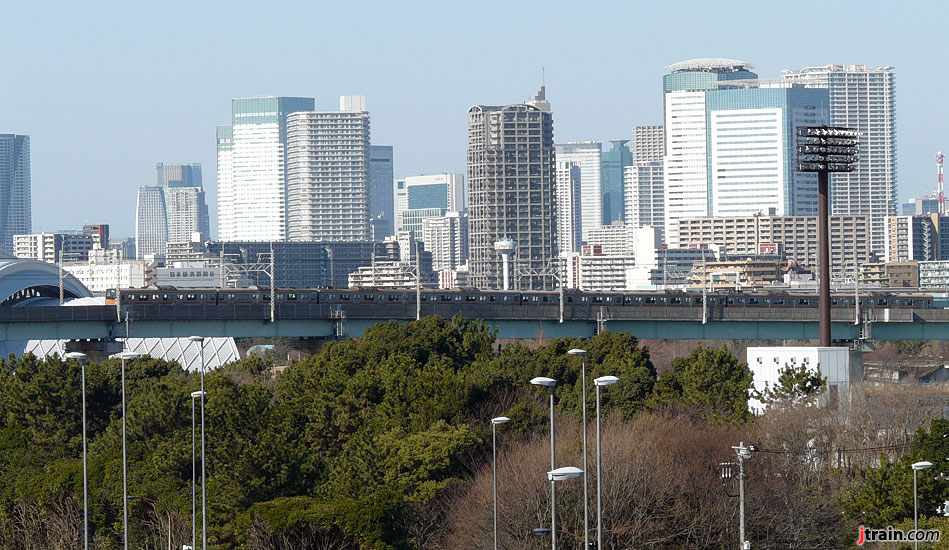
<point x="823" y="244"/>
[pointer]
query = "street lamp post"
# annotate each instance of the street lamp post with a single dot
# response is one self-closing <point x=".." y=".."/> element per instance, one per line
<point x="601" y="381"/>
<point x="204" y="489"/>
<point x="550" y="383"/>
<point x="917" y="467"/>
<point x="494" y="452"/>
<point x="586" y="500"/>
<point x="194" y="481"/>
<point x="555" y="475"/>
<point x="824" y="150"/>
<point x="126" y="356"/>
<point x="81" y="357"/>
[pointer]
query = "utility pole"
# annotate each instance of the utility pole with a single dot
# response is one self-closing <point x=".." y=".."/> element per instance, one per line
<point x="62" y="250"/>
<point x="856" y="294"/>
<point x="562" y="273"/>
<point x="418" y="282"/>
<point x="273" y="288"/>
<point x="704" y="290"/>
<point x="744" y="453"/>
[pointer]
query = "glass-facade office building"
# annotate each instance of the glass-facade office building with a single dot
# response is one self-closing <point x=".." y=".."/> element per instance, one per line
<point x="251" y="168"/>
<point x="730" y="143"/>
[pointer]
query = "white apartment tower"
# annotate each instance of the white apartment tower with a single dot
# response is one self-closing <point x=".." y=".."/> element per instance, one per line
<point x="862" y="98"/>
<point x="648" y="143"/>
<point x="251" y="168"/>
<point x="589" y="155"/>
<point x="446" y="237"/>
<point x="644" y="180"/>
<point x="645" y="195"/>
<point x="328" y="173"/>
<point x="568" y="206"/>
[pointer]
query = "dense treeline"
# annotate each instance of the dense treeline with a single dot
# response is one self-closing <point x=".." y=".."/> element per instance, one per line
<point x="384" y="442"/>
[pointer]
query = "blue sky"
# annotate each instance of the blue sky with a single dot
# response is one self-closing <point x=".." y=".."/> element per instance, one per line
<point x="107" y="90"/>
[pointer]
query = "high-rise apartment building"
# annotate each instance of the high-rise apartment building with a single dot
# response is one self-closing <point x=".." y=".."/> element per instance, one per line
<point x="173" y="210"/>
<point x="589" y="155"/>
<point x="862" y="98"/>
<point x="644" y="181"/>
<point x="613" y="166"/>
<point x="151" y="222"/>
<point x="251" y="168"/>
<point x="186" y="207"/>
<point x="648" y="143"/>
<point x="511" y="189"/>
<point x="446" y="237"/>
<point x="445" y="192"/>
<point x="645" y="194"/>
<point x="617" y="239"/>
<point x="568" y="207"/>
<point x="328" y="173"/>
<point x="922" y="238"/>
<point x="381" y="192"/>
<point x="15" y="194"/>
<point x="178" y="175"/>
<point x="730" y="142"/>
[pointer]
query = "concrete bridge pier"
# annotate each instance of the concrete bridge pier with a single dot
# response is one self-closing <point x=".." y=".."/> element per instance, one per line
<point x="96" y="350"/>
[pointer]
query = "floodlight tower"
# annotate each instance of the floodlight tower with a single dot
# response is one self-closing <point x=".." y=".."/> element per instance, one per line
<point x="506" y="247"/>
<point x="823" y="150"/>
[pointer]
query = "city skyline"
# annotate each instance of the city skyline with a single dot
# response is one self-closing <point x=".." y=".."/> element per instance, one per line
<point x="425" y="121"/>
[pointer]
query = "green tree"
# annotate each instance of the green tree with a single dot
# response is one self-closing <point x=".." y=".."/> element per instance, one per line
<point x="709" y="379"/>
<point x="795" y="385"/>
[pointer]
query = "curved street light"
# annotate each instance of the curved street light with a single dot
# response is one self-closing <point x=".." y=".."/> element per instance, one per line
<point x="125" y="356"/>
<point x="204" y="491"/>
<point x="586" y="511"/>
<point x="924" y="465"/>
<point x="598" y="382"/>
<point x="194" y="481"/>
<point x="550" y="383"/>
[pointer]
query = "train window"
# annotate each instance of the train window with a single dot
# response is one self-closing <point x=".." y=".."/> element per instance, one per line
<point x="753" y="301"/>
<point x="291" y="296"/>
<point x="697" y="300"/>
<point x="834" y="302"/>
<point x="675" y="300"/>
<point x="777" y="301"/>
<point x="802" y="301"/>
<point x="191" y="297"/>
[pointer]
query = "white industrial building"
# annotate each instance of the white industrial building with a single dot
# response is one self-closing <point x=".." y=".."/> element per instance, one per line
<point x="832" y="363"/>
